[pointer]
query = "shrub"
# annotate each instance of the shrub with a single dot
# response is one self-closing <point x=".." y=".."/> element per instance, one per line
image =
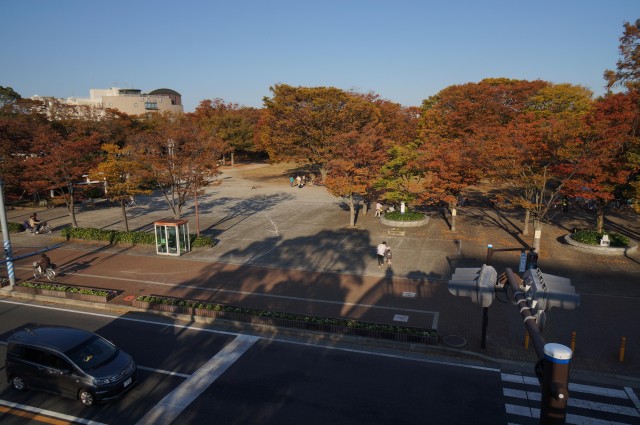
<point x="133" y="238"/>
<point x="407" y="216"/>
<point x="591" y="237"/>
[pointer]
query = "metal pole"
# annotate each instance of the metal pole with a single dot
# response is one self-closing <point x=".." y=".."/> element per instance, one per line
<point x="489" y="254"/>
<point x="485" y="322"/>
<point x="7" y="239"/>
<point x="553" y="364"/>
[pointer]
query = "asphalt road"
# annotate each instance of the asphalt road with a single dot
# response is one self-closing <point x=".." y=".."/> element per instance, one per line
<point x="190" y="374"/>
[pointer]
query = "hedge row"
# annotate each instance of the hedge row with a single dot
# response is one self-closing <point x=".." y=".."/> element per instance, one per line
<point x="134" y="238"/>
<point x="591" y="237"/>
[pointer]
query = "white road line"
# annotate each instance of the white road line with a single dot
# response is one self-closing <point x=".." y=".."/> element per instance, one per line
<point x="165" y="372"/>
<point x="527" y="412"/>
<point x="575" y="402"/>
<point x="276" y="339"/>
<point x="51" y="413"/>
<point x="632" y="397"/>
<point x="168" y="409"/>
<point x="580" y="388"/>
<point x="284" y="297"/>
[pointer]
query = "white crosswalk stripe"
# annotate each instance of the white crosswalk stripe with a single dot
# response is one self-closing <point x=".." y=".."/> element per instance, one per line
<point x="587" y="405"/>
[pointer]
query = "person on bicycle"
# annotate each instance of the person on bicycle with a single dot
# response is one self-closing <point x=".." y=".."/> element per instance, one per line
<point x="34" y="223"/>
<point x="44" y="263"/>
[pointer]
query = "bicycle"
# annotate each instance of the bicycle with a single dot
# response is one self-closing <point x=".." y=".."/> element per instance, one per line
<point x="44" y="229"/>
<point x="132" y="203"/>
<point x="50" y="273"/>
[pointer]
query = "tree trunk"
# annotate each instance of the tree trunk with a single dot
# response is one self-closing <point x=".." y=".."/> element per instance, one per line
<point x="124" y="214"/>
<point x="72" y="210"/>
<point x="537" y="234"/>
<point x="352" y="212"/>
<point x="527" y="218"/>
<point x="365" y="205"/>
<point x="600" y="219"/>
<point x="233" y="162"/>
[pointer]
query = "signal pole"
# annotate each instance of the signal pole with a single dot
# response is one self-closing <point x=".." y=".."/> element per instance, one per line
<point x="552" y="368"/>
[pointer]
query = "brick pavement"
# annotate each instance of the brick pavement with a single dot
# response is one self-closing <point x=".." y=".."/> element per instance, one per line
<point x="290" y="249"/>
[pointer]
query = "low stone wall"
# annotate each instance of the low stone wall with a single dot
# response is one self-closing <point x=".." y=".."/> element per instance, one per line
<point x="602" y="250"/>
<point x="396" y="223"/>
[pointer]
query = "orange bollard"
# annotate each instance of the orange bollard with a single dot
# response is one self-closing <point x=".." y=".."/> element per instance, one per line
<point x="623" y="345"/>
<point x="573" y="341"/>
<point x="526" y="340"/>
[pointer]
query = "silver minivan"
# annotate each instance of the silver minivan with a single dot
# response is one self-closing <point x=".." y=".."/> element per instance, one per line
<point x="69" y="362"/>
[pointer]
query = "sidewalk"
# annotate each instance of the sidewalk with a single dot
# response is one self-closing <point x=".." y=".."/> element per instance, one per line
<point x="290" y="249"/>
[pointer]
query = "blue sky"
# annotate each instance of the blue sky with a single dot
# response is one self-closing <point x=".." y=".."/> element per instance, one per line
<point x="403" y="50"/>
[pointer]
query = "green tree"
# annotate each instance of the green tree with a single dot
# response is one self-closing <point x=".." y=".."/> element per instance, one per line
<point x="8" y="96"/>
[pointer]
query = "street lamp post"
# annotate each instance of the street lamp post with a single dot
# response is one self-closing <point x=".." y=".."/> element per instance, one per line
<point x="7" y="240"/>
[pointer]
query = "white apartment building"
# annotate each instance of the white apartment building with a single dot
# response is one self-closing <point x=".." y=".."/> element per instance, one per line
<point x="131" y="101"/>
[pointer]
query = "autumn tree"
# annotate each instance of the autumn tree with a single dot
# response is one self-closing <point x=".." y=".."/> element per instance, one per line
<point x="300" y="123"/>
<point x="61" y="155"/>
<point x="233" y="124"/>
<point x="605" y="167"/>
<point x="541" y="151"/>
<point x="123" y="174"/>
<point x="461" y="127"/>
<point x="18" y="128"/>
<point x="356" y="170"/>
<point x="627" y="71"/>
<point x="182" y="156"/>
<point x="627" y="74"/>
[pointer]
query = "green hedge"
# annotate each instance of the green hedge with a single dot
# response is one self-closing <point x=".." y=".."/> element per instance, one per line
<point x="351" y="323"/>
<point x="14" y="227"/>
<point x="133" y="238"/>
<point x="591" y="237"/>
<point x="407" y="216"/>
<point x="66" y="288"/>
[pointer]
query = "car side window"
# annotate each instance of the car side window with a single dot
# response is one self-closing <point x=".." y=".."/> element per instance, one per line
<point x="45" y="358"/>
<point x="33" y="355"/>
<point x="54" y="361"/>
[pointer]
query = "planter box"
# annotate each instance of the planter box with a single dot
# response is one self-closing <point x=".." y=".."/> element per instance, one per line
<point x="396" y="223"/>
<point x="67" y="295"/>
<point x="430" y="338"/>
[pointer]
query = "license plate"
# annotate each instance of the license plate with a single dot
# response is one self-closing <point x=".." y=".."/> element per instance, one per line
<point x="127" y="382"/>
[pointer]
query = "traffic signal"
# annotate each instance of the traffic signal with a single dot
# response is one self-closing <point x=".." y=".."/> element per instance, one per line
<point x="544" y="291"/>
<point x="479" y="284"/>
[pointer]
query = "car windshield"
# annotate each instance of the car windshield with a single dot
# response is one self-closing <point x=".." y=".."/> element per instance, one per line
<point x="92" y="353"/>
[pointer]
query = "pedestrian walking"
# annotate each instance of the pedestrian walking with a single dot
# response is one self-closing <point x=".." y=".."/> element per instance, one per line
<point x="380" y="250"/>
<point x="299" y="181"/>
<point x="378" y="210"/>
<point x="291" y="181"/>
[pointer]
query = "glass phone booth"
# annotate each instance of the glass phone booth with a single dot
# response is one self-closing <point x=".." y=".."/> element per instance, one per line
<point x="172" y="237"/>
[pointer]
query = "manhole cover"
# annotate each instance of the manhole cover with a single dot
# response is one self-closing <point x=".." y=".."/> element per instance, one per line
<point x="454" y="341"/>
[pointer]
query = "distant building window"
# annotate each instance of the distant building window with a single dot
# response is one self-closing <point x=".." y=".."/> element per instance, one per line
<point x="151" y="105"/>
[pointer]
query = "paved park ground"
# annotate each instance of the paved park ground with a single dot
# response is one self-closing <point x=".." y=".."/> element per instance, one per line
<point x="290" y="248"/>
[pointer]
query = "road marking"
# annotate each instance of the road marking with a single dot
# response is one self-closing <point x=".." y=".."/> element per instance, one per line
<point x="588" y="389"/>
<point x="575" y="402"/>
<point x="35" y="414"/>
<point x="219" y="332"/>
<point x="168" y="409"/>
<point x="435" y="314"/>
<point x="632" y="397"/>
<point x="166" y="372"/>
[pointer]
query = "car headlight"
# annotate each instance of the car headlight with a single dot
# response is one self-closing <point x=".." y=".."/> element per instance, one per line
<point x="102" y="381"/>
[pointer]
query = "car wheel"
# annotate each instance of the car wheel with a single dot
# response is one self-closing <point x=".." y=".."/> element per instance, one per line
<point x="86" y="397"/>
<point x="18" y="383"/>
